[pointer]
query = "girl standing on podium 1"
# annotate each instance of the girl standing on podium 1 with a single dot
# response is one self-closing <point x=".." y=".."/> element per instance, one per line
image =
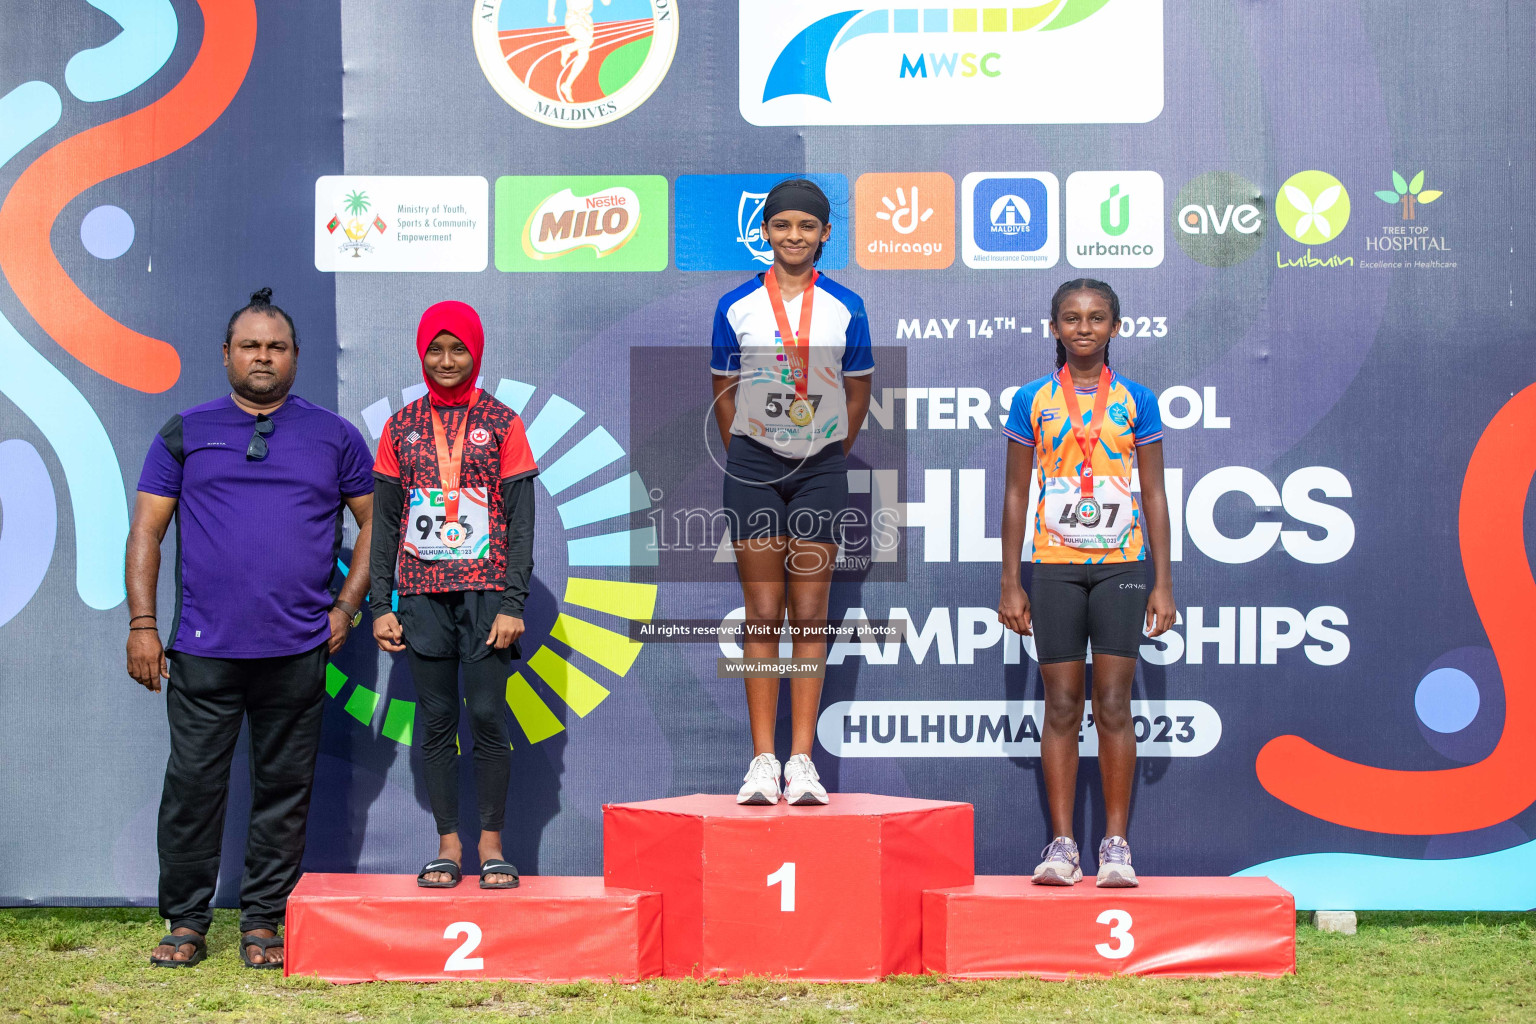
<point x="791" y="365"/>
<point x="1082" y="426"/>
<point x="453" y="502"/>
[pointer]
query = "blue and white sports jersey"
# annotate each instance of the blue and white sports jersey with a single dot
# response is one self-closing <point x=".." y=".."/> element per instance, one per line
<point x="747" y="343"/>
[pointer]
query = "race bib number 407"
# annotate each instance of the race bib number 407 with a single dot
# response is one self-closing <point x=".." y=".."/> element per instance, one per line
<point x="1103" y="521"/>
<point x="425" y="521"/>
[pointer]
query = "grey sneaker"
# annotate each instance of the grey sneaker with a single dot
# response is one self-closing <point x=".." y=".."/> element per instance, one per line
<point x="1060" y="863"/>
<point x="1115" y="871"/>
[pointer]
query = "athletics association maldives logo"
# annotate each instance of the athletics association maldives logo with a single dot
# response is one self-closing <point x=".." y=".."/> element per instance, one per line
<point x="573" y="63"/>
<point x="827" y="62"/>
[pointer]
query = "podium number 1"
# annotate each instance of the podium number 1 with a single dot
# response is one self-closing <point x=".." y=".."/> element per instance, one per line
<point x="1120" y="930"/>
<point x="460" y="960"/>
<point x="784" y="878"/>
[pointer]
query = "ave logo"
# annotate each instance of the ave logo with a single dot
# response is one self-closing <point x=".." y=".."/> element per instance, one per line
<point x="1219" y="219"/>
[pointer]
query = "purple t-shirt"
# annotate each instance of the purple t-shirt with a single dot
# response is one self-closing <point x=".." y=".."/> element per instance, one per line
<point x="256" y="539"/>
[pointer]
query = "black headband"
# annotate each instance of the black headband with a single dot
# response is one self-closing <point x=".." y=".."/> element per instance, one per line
<point x="798" y="195"/>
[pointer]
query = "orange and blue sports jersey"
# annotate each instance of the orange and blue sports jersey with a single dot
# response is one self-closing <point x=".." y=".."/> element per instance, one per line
<point x="1039" y="420"/>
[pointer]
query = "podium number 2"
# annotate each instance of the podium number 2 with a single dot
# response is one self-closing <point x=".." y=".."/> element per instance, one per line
<point x="784" y="878"/>
<point x="1120" y="930"/>
<point x="460" y="960"/>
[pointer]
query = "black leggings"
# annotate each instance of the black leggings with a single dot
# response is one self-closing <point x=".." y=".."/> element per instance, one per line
<point x="437" y="696"/>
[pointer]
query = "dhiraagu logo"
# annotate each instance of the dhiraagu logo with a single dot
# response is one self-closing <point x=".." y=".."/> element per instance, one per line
<point x="826" y="62"/>
<point x="587" y="648"/>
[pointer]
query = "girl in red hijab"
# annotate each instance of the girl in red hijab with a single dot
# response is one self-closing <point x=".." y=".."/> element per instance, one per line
<point x="453" y="521"/>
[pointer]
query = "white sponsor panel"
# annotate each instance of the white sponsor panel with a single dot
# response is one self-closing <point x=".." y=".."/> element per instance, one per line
<point x="1002" y="728"/>
<point x="1115" y="219"/>
<point x="824" y="62"/>
<point x="370" y="223"/>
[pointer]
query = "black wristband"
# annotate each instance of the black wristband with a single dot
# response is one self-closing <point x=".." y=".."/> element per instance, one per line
<point x="136" y="618"/>
<point x="135" y="629"/>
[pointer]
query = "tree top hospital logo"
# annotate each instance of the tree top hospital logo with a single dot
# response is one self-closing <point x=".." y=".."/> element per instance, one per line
<point x="1312" y="207"/>
<point x="823" y="62"/>
<point x="575" y="63"/>
<point x="1218" y="219"/>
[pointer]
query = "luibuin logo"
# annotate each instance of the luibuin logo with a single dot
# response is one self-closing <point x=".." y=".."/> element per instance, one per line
<point x="1409" y="194"/>
<point x="1313" y="207"/>
<point x="1219" y="219"/>
<point x="588" y="69"/>
<point x="801" y="63"/>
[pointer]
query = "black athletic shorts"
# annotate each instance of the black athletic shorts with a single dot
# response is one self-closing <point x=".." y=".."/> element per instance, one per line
<point x="454" y="625"/>
<point x="1069" y="604"/>
<point x="768" y="495"/>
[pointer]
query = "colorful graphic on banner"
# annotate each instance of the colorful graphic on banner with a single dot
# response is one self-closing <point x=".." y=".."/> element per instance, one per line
<point x="598" y="65"/>
<point x="819" y="62"/>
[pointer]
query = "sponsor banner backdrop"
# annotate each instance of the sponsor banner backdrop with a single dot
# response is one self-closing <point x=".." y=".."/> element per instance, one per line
<point x="1316" y="224"/>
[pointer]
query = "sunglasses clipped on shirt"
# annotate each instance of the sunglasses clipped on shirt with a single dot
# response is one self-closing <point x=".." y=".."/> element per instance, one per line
<point x="257" y="449"/>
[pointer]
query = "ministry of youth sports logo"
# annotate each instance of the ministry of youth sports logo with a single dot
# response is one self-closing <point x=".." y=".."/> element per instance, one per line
<point x="575" y="63"/>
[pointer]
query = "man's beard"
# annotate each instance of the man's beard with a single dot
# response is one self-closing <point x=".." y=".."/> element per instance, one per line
<point x="253" y="390"/>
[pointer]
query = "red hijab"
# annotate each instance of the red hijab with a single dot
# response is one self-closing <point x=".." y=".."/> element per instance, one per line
<point x="460" y="320"/>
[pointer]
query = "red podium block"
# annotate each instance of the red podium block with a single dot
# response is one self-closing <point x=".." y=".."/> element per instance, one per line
<point x="1003" y="926"/>
<point x="349" y="928"/>
<point x="821" y="893"/>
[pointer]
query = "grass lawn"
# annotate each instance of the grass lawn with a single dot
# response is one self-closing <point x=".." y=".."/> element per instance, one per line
<point x="85" y="965"/>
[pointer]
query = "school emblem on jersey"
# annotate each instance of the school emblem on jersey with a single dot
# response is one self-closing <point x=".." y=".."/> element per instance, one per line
<point x="413" y="436"/>
<point x="480" y="436"/>
<point x="575" y="63"/>
<point x="1119" y="414"/>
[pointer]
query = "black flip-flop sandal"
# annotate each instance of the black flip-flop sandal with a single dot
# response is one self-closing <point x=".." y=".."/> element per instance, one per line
<point x="199" y="952"/>
<point x="499" y="867"/>
<point x="442" y="865"/>
<point x="265" y="944"/>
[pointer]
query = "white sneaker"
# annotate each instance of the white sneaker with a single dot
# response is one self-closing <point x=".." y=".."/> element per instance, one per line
<point x="801" y="783"/>
<point x="1115" y="871"/>
<point x="761" y="783"/>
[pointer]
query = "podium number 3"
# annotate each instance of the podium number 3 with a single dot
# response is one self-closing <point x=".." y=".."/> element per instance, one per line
<point x="460" y="959"/>
<point x="1120" y="930"/>
<point x="784" y="878"/>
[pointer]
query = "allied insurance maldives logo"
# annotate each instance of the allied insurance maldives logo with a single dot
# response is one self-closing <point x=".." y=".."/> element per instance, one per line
<point x="830" y="62"/>
<point x="575" y="63"/>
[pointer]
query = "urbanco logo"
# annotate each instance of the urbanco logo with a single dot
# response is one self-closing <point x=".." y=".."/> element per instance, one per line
<point x="1115" y="219"/>
<point x="1009" y="220"/>
<point x="826" y="62"/>
<point x="720" y="220"/>
<point x="905" y="221"/>
<point x="571" y="64"/>
<point x="1218" y="218"/>
<point x="581" y="223"/>
<point x="1312" y="207"/>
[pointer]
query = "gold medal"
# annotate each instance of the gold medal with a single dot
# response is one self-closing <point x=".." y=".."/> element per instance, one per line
<point x="801" y="412"/>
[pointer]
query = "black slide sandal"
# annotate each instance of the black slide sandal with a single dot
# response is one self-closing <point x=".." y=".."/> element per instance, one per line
<point x="199" y="952"/>
<point x="265" y="944"/>
<point x="499" y="867"/>
<point x="444" y="865"/>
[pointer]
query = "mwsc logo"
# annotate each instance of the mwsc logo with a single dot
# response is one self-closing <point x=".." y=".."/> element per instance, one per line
<point x="589" y="70"/>
<point x="820" y="62"/>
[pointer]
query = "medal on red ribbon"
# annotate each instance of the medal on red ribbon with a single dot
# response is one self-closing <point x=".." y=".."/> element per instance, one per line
<point x="797" y="345"/>
<point x="1087" y="510"/>
<point x="450" y="462"/>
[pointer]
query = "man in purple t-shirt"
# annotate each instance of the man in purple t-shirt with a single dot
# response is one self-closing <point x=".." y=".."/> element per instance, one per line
<point x="256" y="481"/>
